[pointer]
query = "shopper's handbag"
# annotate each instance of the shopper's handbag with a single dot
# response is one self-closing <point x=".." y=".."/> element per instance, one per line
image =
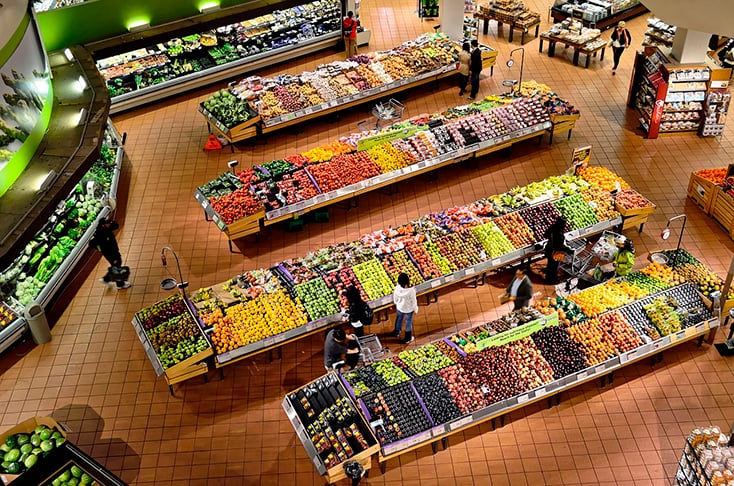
<point x="558" y="255"/>
<point x="505" y="298"/>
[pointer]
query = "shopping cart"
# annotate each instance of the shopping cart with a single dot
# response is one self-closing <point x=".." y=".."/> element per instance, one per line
<point x="386" y="114"/>
<point x="371" y="350"/>
<point x="583" y="258"/>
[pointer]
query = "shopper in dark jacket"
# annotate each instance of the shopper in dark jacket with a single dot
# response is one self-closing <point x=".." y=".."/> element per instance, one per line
<point x="104" y="241"/>
<point x="475" y="68"/>
<point x="337" y="348"/>
<point x="357" y="311"/>
<point x="520" y="290"/>
<point x="621" y="40"/>
<point x="555" y="234"/>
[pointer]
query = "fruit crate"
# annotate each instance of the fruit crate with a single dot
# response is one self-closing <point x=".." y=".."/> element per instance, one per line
<point x="702" y="192"/>
<point x="722" y="209"/>
<point x="27" y="427"/>
<point x="245" y="226"/>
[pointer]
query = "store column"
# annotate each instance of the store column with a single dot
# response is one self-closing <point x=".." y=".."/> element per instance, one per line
<point x="690" y="46"/>
<point x="452" y="18"/>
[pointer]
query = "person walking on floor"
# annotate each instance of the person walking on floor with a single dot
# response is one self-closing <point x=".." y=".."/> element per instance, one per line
<point x="464" y="59"/>
<point x="475" y="68"/>
<point x="359" y="312"/>
<point x="406" y="304"/>
<point x="621" y="40"/>
<point x="520" y="290"/>
<point x="554" y="249"/>
<point x="349" y="25"/>
<point x="104" y="241"/>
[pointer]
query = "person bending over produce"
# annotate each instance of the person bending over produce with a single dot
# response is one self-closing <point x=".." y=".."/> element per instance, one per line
<point x="624" y="260"/>
<point x="359" y="312"/>
<point x="337" y="349"/>
<point x="104" y="241"/>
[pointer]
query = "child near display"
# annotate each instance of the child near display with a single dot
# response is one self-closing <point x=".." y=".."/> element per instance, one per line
<point x="406" y="304"/>
<point x="359" y="312"/>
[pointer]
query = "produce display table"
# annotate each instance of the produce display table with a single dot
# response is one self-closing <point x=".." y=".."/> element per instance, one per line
<point x="702" y="191"/>
<point x="449" y="384"/>
<point x="711" y="190"/>
<point x="634" y="208"/>
<point x="636" y="8"/>
<point x="523" y="28"/>
<point x="589" y="48"/>
<point x="330" y="427"/>
<point x="284" y="189"/>
<point x="174" y="342"/>
<point x="485" y="233"/>
<point x="259" y="125"/>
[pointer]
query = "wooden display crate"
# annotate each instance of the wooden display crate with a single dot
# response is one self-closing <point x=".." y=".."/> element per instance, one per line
<point x="27" y="427"/>
<point x="562" y="123"/>
<point x="702" y="192"/>
<point x="635" y="216"/>
<point x="722" y="209"/>
<point x="245" y="226"/>
<point x="728" y="305"/>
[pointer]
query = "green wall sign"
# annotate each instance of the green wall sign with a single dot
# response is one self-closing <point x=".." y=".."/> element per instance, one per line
<point x="101" y="19"/>
<point x="369" y="142"/>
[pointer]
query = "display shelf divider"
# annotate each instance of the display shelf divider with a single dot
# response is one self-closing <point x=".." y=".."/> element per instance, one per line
<point x="422" y="404"/>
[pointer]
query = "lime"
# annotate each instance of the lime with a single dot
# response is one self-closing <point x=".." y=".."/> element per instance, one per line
<point x="26" y="448"/>
<point x="4" y="447"/>
<point x="12" y="455"/>
<point x="56" y="435"/>
<point x="36" y="440"/>
<point x="14" y="467"/>
<point x="76" y="472"/>
<point x="73" y="481"/>
<point x="38" y="429"/>
<point x="86" y="479"/>
<point x="30" y="461"/>
<point x="60" y="441"/>
<point x="11" y="441"/>
<point x="47" y="445"/>
<point x="65" y="476"/>
<point x="37" y="450"/>
<point x="23" y="457"/>
<point x="4" y="465"/>
<point x="45" y="434"/>
<point x="23" y="439"/>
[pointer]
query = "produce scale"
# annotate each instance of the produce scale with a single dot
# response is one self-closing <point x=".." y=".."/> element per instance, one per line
<point x="39" y="271"/>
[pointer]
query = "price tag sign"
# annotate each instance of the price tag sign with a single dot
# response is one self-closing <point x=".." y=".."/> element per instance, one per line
<point x="690" y="331"/>
<point x="600" y="368"/>
<point x="436" y="283"/>
<point x="496" y="262"/>
<point x="308" y="111"/>
<point x="540" y="392"/>
<point x="204" y="204"/>
<point x="701" y="327"/>
<point x="680" y="334"/>
<point x="449" y="278"/>
<point x="460" y="423"/>
<point x="523" y="398"/>
<point x="470" y="270"/>
<point x="581" y="376"/>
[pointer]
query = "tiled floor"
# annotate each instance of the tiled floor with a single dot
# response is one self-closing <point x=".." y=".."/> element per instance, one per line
<point x="94" y="376"/>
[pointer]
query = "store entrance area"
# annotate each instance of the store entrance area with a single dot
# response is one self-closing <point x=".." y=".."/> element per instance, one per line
<point x="234" y="431"/>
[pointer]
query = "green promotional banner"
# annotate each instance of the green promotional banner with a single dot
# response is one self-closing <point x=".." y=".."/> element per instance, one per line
<point x="369" y="142"/>
<point x="519" y="332"/>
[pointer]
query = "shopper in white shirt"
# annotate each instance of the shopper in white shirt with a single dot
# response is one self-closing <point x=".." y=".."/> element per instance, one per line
<point x="406" y="304"/>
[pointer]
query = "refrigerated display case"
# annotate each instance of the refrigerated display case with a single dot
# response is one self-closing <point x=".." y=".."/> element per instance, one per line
<point x="180" y="62"/>
<point x="37" y="273"/>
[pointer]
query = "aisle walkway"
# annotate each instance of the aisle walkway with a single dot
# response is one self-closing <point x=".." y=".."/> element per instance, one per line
<point x="95" y="377"/>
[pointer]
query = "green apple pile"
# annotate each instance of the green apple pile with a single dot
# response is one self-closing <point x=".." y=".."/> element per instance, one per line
<point x="374" y="279"/>
<point x="425" y="359"/>
<point x="577" y="212"/>
<point x="443" y="263"/>
<point x="318" y="299"/>
<point x="390" y="372"/>
<point x="492" y="239"/>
